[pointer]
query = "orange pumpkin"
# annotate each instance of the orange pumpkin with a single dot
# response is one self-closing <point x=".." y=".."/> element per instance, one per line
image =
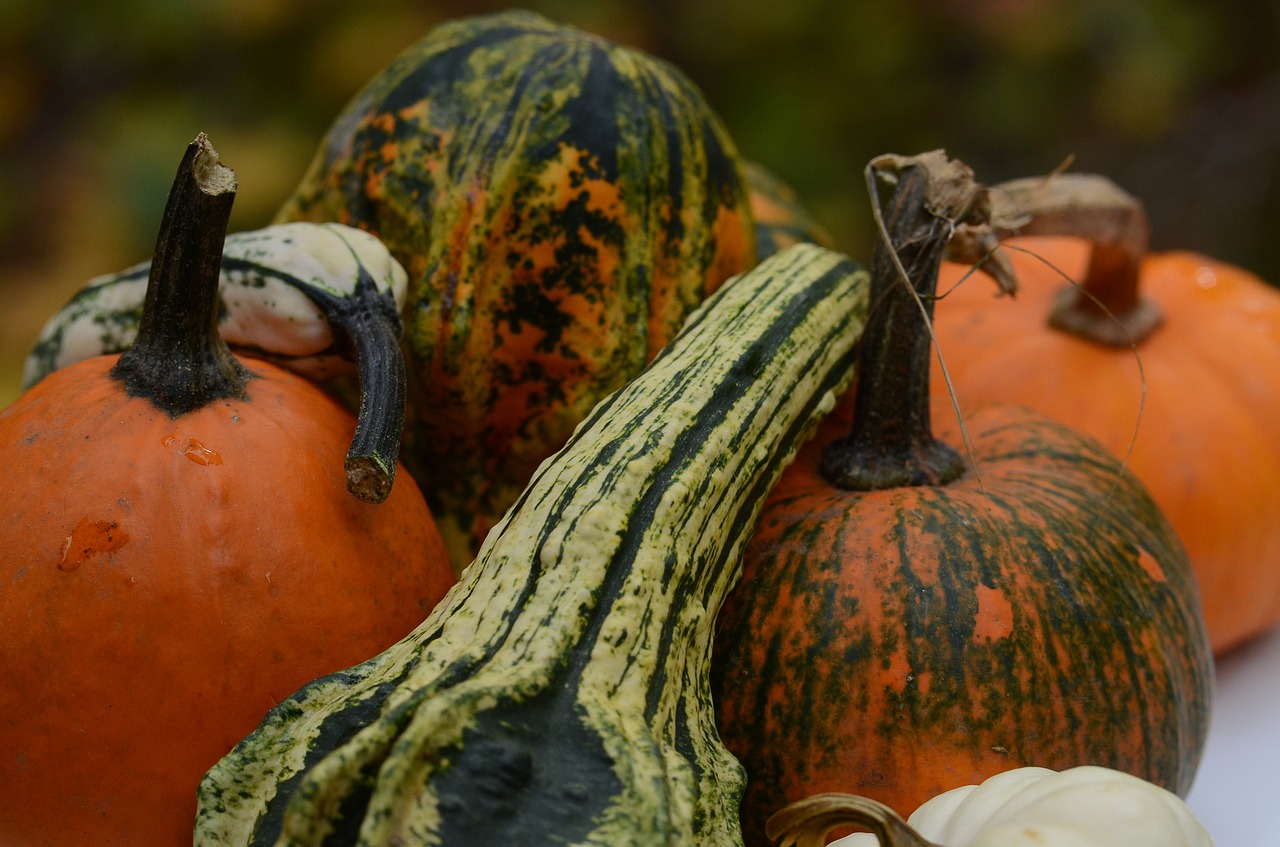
<point x="905" y="623"/>
<point x="1193" y="412"/>
<point x="181" y="553"/>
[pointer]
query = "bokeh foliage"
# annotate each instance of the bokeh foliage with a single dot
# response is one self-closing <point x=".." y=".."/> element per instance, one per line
<point x="1177" y="100"/>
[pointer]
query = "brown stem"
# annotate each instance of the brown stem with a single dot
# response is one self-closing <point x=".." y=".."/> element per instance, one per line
<point x="179" y="361"/>
<point x="807" y="822"/>
<point x="1107" y="307"/>
<point x="891" y="443"/>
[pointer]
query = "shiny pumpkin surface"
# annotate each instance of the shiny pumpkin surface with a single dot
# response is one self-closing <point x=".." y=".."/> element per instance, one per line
<point x="898" y="643"/>
<point x="1204" y="437"/>
<point x="560" y="203"/>
<point x="167" y="581"/>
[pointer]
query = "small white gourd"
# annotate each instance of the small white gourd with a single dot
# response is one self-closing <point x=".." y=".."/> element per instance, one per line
<point x="1085" y="806"/>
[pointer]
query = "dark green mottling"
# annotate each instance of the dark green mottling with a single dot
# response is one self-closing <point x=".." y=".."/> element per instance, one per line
<point x="477" y="115"/>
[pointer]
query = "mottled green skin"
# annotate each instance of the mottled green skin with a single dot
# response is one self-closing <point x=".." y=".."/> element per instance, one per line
<point x="868" y="647"/>
<point x="559" y="693"/>
<point x="561" y="203"/>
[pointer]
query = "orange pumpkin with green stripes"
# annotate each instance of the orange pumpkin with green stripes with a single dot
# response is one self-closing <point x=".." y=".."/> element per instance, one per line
<point x="1171" y="359"/>
<point x="561" y="203"/>
<point x="914" y="616"/>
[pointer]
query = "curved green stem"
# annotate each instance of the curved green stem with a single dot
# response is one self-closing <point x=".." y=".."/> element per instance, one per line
<point x="370" y="322"/>
<point x="179" y="361"/>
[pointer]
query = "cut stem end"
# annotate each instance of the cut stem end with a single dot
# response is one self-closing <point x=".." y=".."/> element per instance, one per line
<point x="178" y="360"/>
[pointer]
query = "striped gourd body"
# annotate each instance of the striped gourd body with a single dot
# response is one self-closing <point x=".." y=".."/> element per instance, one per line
<point x="561" y="203"/>
<point x="559" y="694"/>
<point x="781" y="219"/>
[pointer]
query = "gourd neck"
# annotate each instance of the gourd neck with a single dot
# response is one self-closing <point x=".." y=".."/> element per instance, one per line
<point x="178" y="361"/>
<point x="891" y="443"/>
<point x="370" y="323"/>
<point x="1107" y="306"/>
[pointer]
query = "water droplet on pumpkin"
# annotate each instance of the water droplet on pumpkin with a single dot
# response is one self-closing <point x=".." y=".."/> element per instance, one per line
<point x="89" y="539"/>
<point x="200" y="454"/>
<point x="167" y="440"/>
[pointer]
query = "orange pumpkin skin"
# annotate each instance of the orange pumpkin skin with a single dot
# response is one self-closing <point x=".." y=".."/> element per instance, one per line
<point x="1207" y="445"/>
<point x="900" y="642"/>
<point x="167" y="580"/>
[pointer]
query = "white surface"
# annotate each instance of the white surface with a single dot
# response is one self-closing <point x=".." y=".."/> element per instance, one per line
<point x="1237" y="790"/>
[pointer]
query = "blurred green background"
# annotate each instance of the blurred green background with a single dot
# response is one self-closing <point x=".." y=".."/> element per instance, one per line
<point x="1178" y="101"/>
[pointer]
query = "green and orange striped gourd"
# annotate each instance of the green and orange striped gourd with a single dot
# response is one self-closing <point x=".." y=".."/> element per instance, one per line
<point x="561" y="203"/>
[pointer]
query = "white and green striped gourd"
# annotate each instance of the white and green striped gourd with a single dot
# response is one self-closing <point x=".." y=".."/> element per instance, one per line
<point x="322" y="300"/>
<point x="271" y="281"/>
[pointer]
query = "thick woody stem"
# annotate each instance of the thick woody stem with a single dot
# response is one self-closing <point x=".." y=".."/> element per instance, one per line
<point x="891" y="443"/>
<point x="1107" y="307"/>
<point x="179" y="361"/>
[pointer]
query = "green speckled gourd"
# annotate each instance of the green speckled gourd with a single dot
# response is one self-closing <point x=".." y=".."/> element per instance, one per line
<point x="559" y="694"/>
<point x="560" y="203"/>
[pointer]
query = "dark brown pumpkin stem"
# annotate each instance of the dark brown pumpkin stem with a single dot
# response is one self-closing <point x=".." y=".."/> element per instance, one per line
<point x="179" y="361"/>
<point x="1107" y="307"/>
<point x="891" y="443"/>
<point x="806" y="823"/>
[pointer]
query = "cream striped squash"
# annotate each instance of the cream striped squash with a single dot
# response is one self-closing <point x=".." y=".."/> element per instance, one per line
<point x="274" y="291"/>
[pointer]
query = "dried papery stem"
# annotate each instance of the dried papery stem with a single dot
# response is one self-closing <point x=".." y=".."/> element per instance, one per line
<point x="891" y="443"/>
<point x="1107" y="306"/>
<point x="807" y="822"/>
